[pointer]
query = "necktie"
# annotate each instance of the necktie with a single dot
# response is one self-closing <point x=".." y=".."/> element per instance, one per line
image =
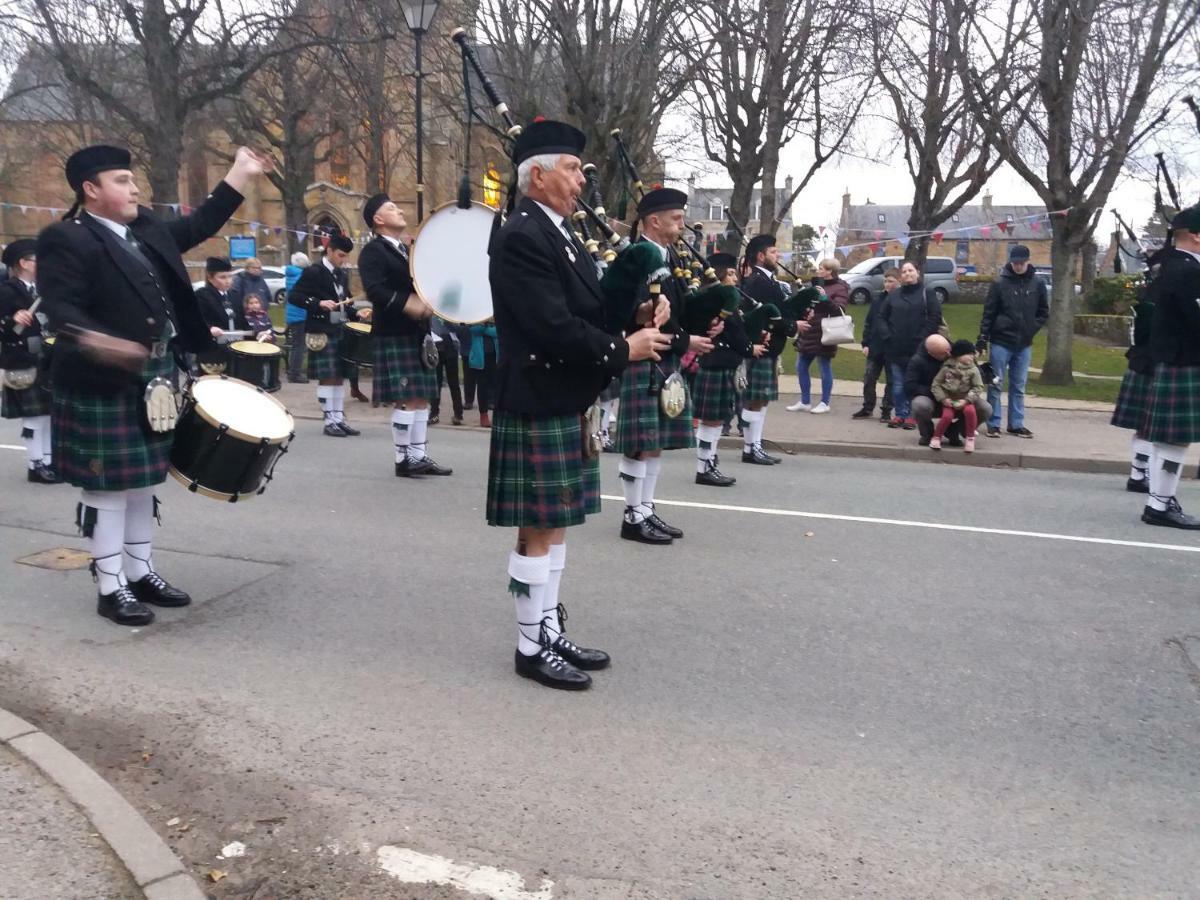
<point x="135" y="250"/>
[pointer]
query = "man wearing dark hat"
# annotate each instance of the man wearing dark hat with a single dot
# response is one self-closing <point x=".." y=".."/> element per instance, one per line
<point x="1016" y="308"/>
<point x="115" y="288"/>
<point x="714" y="394"/>
<point x="762" y="378"/>
<point x="1174" y="417"/>
<point x="400" y="325"/>
<point x="20" y="351"/>
<point x="323" y="290"/>
<point x="558" y="348"/>
<point x="643" y="429"/>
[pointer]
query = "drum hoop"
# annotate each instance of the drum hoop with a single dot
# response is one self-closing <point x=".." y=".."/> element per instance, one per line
<point x="233" y="432"/>
<point x="413" y="266"/>
<point x="209" y="492"/>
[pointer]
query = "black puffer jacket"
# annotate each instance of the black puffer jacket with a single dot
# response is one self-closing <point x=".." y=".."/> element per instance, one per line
<point x="919" y="374"/>
<point x="910" y="314"/>
<point x="1017" y="307"/>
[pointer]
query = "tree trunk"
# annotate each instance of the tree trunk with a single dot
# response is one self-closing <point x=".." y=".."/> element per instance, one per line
<point x="739" y="206"/>
<point x="1060" y="330"/>
<point x="917" y="250"/>
<point x="166" y="155"/>
<point x="1087" y="271"/>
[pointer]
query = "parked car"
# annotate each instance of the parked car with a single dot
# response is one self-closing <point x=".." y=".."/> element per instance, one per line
<point x="866" y="278"/>
<point x="967" y="270"/>
<point x="274" y="278"/>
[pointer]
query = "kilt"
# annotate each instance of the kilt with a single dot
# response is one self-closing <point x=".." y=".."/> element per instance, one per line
<point x="399" y="374"/>
<point x="1133" y="402"/>
<point x="678" y="433"/>
<point x="762" y="381"/>
<point x="328" y="364"/>
<point x="537" y="475"/>
<point x="715" y="396"/>
<point x="26" y="404"/>
<point x="99" y="441"/>
<point x="638" y="416"/>
<point x="1174" y="412"/>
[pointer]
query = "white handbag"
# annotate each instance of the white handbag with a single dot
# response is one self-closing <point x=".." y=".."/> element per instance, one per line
<point x="837" y="330"/>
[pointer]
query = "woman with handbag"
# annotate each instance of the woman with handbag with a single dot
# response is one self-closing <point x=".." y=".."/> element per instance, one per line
<point x="812" y="342"/>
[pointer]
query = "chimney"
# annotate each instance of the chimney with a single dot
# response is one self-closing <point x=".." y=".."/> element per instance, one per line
<point x="987" y="204"/>
<point x="692" y="182"/>
<point x="787" y="185"/>
<point x="846" y="201"/>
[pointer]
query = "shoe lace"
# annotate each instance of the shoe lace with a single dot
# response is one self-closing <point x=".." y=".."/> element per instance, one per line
<point x="1173" y="506"/>
<point x="156" y="581"/>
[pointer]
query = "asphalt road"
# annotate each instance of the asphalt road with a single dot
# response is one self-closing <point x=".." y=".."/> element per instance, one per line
<point x="799" y="706"/>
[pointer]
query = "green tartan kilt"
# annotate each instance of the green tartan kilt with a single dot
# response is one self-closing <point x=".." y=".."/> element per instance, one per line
<point x="638" y="416"/>
<point x="27" y="404"/>
<point x="537" y="474"/>
<point x="715" y="396"/>
<point x="678" y="433"/>
<point x="1133" y="401"/>
<point x="399" y="374"/>
<point x="99" y="441"/>
<point x="1174" y="414"/>
<point x="328" y="364"/>
<point x="762" y="381"/>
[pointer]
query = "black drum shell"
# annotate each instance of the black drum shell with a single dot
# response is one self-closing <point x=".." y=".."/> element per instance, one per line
<point x="259" y="370"/>
<point x="357" y="347"/>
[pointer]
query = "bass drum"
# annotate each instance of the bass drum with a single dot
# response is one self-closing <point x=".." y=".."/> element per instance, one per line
<point x="229" y="438"/>
<point x="450" y="262"/>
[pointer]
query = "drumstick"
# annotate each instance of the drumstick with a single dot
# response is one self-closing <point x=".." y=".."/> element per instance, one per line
<point x="19" y="330"/>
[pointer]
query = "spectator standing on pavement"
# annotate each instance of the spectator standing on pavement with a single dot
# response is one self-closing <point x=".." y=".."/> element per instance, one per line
<point x="1133" y="401"/>
<point x="447" y="371"/>
<point x="808" y="341"/>
<point x="258" y="321"/>
<point x="1017" y="307"/>
<point x="294" y="318"/>
<point x="957" y="387"/>
<point x="911" y="313"/>
<point x="872" y="348"/>
<point x="482" y="361"/>
<point x="250" y="283"/>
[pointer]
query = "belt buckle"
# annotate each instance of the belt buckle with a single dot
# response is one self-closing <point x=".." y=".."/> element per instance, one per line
<point x="158" y="350"/>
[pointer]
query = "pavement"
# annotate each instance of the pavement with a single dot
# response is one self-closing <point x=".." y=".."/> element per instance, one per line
<point x="852" y="678"/>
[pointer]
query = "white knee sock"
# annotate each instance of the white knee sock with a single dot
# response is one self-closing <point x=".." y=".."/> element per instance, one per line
<point x="753" y="431"/>
<point x="759" y="426"/>
<point x="47" y="444"/>
<point x="325" y="398"/>
<point x="1140" y="467"/>
<point x="707" y="437"/>
<point x="420" y="428"/>
<point x="528" y="576"/>
<point x="339" y="402"/>
<point x="633" y="474"/>
<point x="558" y="562"/>
<point x="33" y="440"/>
<point x="653" y="467"/>
<point x="402" y="423"/>
<point x="104" y="513"/>
<point x="139" y="533"/>
<point x="1166" y="467"/>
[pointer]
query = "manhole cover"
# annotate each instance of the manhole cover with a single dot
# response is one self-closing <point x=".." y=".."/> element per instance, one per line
<point x="59" y="559"/>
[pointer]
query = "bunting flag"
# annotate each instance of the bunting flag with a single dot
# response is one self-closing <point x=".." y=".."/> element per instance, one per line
<point x="876" y="247"/>
<point x="904" y="239"/>
<point x="1036" y="226"/>
<point x="1003" y="226"/>
<point x="937" y="236"/>
<point x="878" y="234"/>
<point x="985" y="230"/>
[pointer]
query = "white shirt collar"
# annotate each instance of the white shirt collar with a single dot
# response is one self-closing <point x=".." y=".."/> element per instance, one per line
<point x="28" y="284"/>
<point x="330" y="266"/>
<point x="1195" y="256"/>
<point x="553" y="216"/>
<point x="115" y="227"/>
<point x="395" y="242"/>
<point x="661" y="248"/>
<point x="766" y="271"/>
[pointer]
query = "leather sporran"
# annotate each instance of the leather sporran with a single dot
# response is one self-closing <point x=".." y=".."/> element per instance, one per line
<point x="589" y="424"/>
<point x="19" y="379"/>
<point x="429" y="353"/>
<point x="741" y="378"/>
<point x="161" y="406"/>
<point x="672" y="398"/>
<point x="316" y="342"/>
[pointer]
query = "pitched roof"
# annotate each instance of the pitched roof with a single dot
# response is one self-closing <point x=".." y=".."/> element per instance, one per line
<point x="701" y="198"/>
<point x="865" y="218"/>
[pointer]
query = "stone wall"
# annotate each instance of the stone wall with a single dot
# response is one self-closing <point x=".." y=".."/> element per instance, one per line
<point x="1109" y="329"/>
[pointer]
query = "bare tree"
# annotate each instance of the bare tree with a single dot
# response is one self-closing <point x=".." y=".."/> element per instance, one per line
<point x="154" y="64"/>
<point x="948" y="152"/>
<point x="767" y="72"/>
<point x="1068" y="89"/>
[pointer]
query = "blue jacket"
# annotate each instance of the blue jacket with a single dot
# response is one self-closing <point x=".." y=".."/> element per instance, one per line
<point x="480" y="333"/>
<point x="295" y="313"/>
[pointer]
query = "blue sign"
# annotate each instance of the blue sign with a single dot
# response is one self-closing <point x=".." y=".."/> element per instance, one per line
<point x="242" y="247"/>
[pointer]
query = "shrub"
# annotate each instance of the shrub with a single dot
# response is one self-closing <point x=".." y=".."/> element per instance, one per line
<point x="1113" y="296"/>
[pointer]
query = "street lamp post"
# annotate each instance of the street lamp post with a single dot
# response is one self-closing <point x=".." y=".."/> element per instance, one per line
<point x="418" y="15"/>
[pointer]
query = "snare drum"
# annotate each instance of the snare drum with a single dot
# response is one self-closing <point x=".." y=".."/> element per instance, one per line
<point x="357" y="345"/>
<point x="256" y="363"/>
<point x="229" y="438"/>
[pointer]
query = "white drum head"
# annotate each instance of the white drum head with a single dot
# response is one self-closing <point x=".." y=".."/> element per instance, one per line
<point x="450" y="263"/>
<point x="227" y="401"/>
<point x="361" y="327"/>
<point x="255" y="348"/>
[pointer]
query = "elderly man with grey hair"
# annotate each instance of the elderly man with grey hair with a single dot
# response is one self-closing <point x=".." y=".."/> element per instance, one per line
<point x="918" y="385"/>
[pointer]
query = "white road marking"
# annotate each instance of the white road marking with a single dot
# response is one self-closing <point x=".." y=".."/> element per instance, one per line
<point x="421" y="868"/>
<point x="906" y="523"/>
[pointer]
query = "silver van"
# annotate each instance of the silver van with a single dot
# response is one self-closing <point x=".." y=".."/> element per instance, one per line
<point x="866" y="278"/>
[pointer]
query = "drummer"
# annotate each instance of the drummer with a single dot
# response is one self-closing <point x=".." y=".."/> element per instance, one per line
<point x="222" y="311"/>
<point x="113" y="283"/>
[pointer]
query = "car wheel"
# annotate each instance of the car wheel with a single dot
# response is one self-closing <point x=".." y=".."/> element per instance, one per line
<point x="860" y="296"/>
<point x="942" y="294"/>
<point x="280" y="296"/>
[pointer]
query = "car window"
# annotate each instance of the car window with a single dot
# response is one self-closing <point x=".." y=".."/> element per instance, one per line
<point x="862" y="268"/>
<point x="272" y="273"/>
<point x="936" y="266"/>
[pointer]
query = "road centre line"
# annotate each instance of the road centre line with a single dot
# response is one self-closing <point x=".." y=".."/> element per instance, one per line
<point x="906" y="523"/>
